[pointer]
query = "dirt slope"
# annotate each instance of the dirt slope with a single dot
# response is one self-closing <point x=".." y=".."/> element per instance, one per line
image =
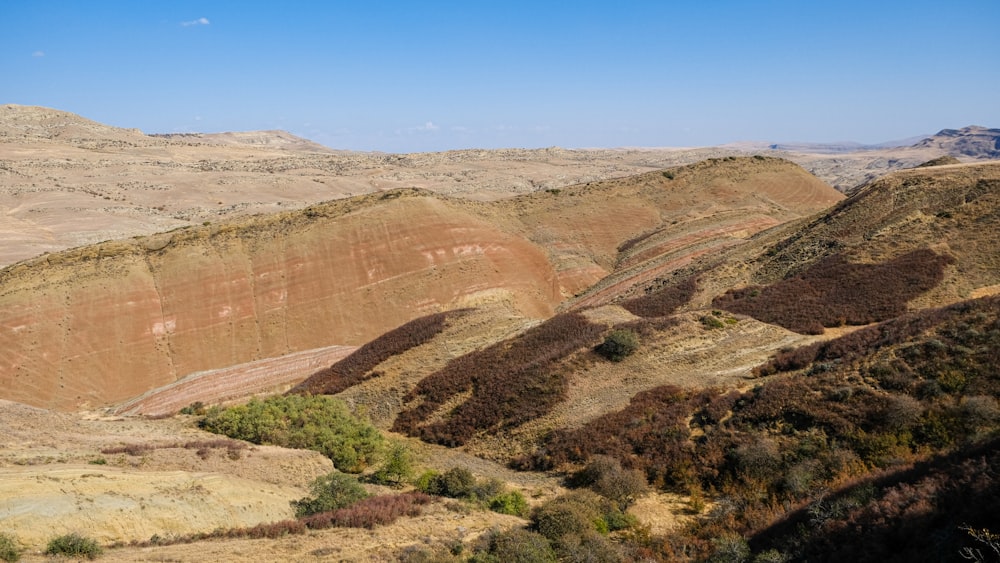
<point x="105" y="323"/>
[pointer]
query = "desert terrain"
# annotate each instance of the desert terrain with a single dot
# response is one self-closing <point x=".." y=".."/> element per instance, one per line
<point x="458" y="302"/>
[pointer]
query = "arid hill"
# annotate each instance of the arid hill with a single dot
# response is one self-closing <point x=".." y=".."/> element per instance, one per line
<point x="909" y="241"/>
<point x="341" y="273"/>
<point x="66" y="181"/>
<point x="972" y="141"/>
<point x="781" y="365"/>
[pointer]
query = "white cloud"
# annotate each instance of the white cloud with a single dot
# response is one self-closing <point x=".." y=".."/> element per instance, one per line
<point x="38" y="54"/>
<point x="428" y="127"/>
<point x="199" y="21"/>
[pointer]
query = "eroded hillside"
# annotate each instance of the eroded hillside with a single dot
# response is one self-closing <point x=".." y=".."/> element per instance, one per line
<point x="341" y="273"/>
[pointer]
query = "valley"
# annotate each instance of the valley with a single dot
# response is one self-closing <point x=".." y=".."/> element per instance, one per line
<point x="802" y="328"/>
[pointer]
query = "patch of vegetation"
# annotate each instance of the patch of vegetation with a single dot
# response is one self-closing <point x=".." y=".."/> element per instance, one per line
<point x="368" y="513"/>
<point x="396" y="469"/>
<point x="10" y="548"/>
<point x="863" y="439"/>
<point x="317" y="423"/>
<point x="511" y="382"/>
<point x="576" y="525"/>
<point x="618" y="345"/>
<point x="605" y="476"/>
<point x="74" y="545"/>
<point x="196" y="408"/>
<point x="460" y="483"/>
<point x="918" y="512"/>
<point x="712" y="321"/>
<point x="357" y="367"/>
<point x="834" y="292"/>
<point x="665" y="301"/>
<point x="517" y="545"/>
<point x="233" y="448"/>
<point x="330" y="492"/>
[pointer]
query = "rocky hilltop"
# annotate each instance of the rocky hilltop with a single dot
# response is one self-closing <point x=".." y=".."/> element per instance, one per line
<point x="973" y="141"/>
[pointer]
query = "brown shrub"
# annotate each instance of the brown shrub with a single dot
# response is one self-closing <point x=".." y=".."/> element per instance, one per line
<point x="354" y="368"/>
<point x="835" y="292"/>
<point x="511" y="382"/>
<point x="370" y="512"/>
<point x="665" y="301"/>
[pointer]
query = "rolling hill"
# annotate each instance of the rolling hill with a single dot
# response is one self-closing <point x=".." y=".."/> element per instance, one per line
<point x="781" y="366"/>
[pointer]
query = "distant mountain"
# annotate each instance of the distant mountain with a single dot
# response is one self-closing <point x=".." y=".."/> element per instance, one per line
<point x="21" y="123"/>
<point x="275" y="139"/>
<point x="973" y="141"/>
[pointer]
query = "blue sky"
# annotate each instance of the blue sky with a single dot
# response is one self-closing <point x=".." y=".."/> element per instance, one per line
<point x="405" y="76"/>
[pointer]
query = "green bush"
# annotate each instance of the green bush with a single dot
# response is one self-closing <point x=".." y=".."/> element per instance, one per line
<point x="574" y="513"/>
<point x="618" y="345"/>
<point x="317" y="423"/>
<point x="10" y="549"/>
<point x="457" y="482"/>
<point x="397" y="468"/>
<point x="427" y="482"/>
<point x="512" y="503"/>
<point x="330" y="492"/>
<point x="74" y="545"/>
<point x="515" y="546"/>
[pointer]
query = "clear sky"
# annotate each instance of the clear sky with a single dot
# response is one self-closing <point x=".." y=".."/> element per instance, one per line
<point x="405" y="76"/>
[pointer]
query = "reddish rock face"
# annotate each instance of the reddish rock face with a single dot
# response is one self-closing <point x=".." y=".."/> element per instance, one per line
<point x="101" y="324"/>
<point x="212" y="298"/>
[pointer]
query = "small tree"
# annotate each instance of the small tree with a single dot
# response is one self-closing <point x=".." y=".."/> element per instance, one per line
<point x="618" y="345"/>
<point x="330" y="492"/>
<point x="397" y="469"/>
<point x="605" y="476"/>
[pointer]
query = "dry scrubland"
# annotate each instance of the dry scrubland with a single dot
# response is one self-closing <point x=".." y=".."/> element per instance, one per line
<point x="744" y="360"/>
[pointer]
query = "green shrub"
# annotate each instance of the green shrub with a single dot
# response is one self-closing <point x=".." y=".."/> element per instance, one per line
<point x="317" y="423"/>
<point x="618" y="345"/>
<point x="574" y="513"/>
<point x="10" y="549"/>
<point x="712" y="322"/>
<point x="397" y="468"/>
<point x="457" y="482"/>
<point x="330" y="492"/>
<point x="427" y="482"/>
<point x="512" y="503"/>
<point x="74" y="545"/>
